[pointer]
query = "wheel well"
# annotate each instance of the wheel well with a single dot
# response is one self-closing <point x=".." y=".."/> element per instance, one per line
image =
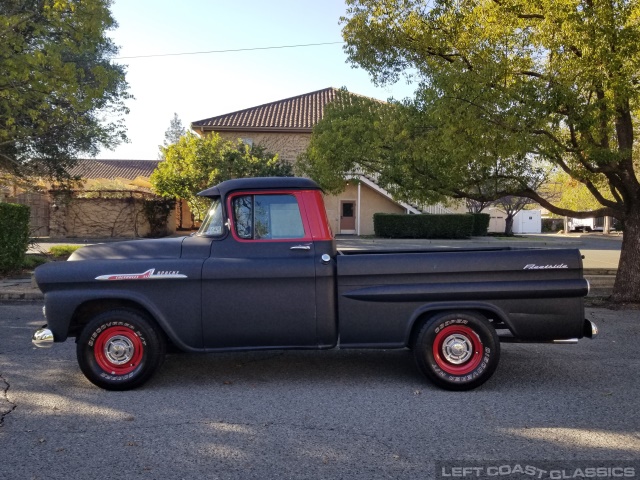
<point x="494" y="320"/>
<point x="91" y="308"/>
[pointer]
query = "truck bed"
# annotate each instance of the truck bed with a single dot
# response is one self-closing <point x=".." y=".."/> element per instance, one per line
<point x="381" y="292"/>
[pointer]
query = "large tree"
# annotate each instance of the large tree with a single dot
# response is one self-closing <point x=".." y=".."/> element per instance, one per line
<point x="526" y="86"/>
<point x="172" y="134"/>
<point x="61" y="95"/>
<point x="195" y="163"/>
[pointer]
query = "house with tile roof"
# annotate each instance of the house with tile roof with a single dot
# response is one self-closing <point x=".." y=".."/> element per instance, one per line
<point x="285" y="127"/>
<point x="108" y="201"/>
<point x="134" y="174"/>
<point x="125" y="170"/>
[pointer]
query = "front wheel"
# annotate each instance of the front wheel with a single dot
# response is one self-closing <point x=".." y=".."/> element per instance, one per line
<point x="119" y="350"/>
<point x="457" y="350"/>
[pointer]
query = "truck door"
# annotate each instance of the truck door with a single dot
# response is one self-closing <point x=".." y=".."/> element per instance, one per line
<point x="259" y="283"/>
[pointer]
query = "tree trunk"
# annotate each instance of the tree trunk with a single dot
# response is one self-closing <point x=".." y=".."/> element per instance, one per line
<point x="627" y="285"/>
<point x="508" y="225"/>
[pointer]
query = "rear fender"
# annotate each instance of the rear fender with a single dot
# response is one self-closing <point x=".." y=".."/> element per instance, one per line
<point x="487" y="309"/>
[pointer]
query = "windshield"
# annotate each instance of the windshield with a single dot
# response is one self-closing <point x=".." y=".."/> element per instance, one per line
<point x="213" y="225"/>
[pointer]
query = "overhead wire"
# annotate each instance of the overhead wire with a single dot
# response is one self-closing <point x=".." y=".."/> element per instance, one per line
<point x="226" y="50"/>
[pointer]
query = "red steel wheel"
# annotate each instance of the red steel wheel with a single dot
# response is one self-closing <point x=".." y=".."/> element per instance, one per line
<point x="118" y="350"/>
<point x="457" y="349"/>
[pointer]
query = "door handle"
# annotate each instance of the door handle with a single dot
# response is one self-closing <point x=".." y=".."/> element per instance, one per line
<point x="301" y="247"/>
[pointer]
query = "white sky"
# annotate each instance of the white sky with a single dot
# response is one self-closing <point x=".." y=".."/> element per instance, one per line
<point x="202" y="86"/>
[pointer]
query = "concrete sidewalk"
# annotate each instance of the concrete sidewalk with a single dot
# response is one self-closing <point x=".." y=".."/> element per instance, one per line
<point x="601" y="252"/>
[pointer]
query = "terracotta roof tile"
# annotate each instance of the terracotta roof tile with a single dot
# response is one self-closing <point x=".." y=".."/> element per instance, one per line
<point x="129" y="169"/>
<point x="295" y="113"/>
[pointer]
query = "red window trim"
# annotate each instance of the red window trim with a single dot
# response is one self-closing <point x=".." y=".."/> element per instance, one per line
<point x="301" y="207"/>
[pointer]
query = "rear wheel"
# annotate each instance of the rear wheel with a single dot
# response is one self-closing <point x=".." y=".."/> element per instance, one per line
<point x="120" y="350"/>
<point x="457" y="350"/>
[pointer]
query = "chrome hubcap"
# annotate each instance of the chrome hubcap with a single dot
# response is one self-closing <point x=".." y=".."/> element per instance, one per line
<point x="119" y="350"/>
<point x="457" y="349"/>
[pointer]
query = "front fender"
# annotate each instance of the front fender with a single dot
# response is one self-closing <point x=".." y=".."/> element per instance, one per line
<point x="62" y="306"/>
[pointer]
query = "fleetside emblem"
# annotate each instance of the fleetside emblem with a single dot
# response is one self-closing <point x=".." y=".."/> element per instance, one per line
<point x="148" y="275"/>
<point x="533" y="266"/>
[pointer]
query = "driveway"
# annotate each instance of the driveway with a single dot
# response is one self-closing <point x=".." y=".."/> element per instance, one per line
<point x="335" y="414"/>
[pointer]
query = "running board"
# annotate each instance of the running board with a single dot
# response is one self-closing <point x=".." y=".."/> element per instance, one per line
<point x="563" y="341"/>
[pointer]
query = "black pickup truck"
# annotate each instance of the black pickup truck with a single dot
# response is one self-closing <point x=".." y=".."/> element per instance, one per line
<point x="263" y="272"/>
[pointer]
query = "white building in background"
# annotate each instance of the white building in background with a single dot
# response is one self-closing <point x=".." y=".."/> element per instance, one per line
<point x="528" y="221"/>
<point x="525" y="221"/>
<point x="497" y="220"/>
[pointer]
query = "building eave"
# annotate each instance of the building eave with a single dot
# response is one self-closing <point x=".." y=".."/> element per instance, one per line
<point x="202" y="129"/>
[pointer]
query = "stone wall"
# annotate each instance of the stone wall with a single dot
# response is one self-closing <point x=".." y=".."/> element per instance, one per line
<point x="101" y="217"/>
<point x="39" y="206"/>
<point x="287" y="145"/>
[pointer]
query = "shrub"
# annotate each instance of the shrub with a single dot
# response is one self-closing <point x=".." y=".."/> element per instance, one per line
<point x="156" y="211"/>
<point x="60" y="251"/>
<point x="618" y="225"/>
<point x="480" y="224"/>
<point x="32" y="261"/>
<point x="389" y="225"/>
<point x="552" y="224"/>
<point x="14" y="235"/>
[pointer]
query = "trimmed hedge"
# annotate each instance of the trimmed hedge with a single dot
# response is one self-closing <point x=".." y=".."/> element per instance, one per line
<point x="480" y="224"/>
<point x="14" y="235"/>
<point x="391" y="225"/>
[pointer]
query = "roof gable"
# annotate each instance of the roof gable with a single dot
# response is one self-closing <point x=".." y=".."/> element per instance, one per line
<point x="300" y="113"/>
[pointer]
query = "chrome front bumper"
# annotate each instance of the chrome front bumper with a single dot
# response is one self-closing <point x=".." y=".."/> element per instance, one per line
<point x="42" y="338"/>
<point x="590" y="329"/>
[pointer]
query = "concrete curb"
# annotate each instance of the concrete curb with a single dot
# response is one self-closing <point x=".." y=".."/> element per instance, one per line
<point x="14" y="296"/>
<point x="20" y="290"/>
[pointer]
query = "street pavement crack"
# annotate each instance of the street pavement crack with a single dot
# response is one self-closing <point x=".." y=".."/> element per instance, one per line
<point x="6" y="406"/>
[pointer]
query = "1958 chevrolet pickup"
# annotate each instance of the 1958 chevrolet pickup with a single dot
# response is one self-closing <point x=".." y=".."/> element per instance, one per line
<point x="263" y="272"/>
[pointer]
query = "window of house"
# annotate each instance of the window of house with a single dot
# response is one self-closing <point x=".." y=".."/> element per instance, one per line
<point x="259" y="217"/>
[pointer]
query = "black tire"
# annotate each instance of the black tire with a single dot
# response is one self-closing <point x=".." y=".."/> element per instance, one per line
<point x="120" y="350"/>
<point x="457" y="350"/>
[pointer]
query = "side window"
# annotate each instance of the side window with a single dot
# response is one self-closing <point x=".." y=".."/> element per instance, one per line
<point x="213" y="224"/>
<point x="260" y="217"/>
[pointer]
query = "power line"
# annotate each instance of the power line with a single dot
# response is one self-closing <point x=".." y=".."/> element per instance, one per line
<point x="227" y="51"/>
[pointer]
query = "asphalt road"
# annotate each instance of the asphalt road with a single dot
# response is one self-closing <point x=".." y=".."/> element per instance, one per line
<point x="335" y="414"/>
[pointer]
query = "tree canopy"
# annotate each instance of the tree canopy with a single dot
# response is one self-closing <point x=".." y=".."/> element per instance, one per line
<point x="60" y="93"/>
<point x="508" y="92"/>
<point x="173" y="133"/>
<point x="410" y="152"/>
<point x="195" y="163"/>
